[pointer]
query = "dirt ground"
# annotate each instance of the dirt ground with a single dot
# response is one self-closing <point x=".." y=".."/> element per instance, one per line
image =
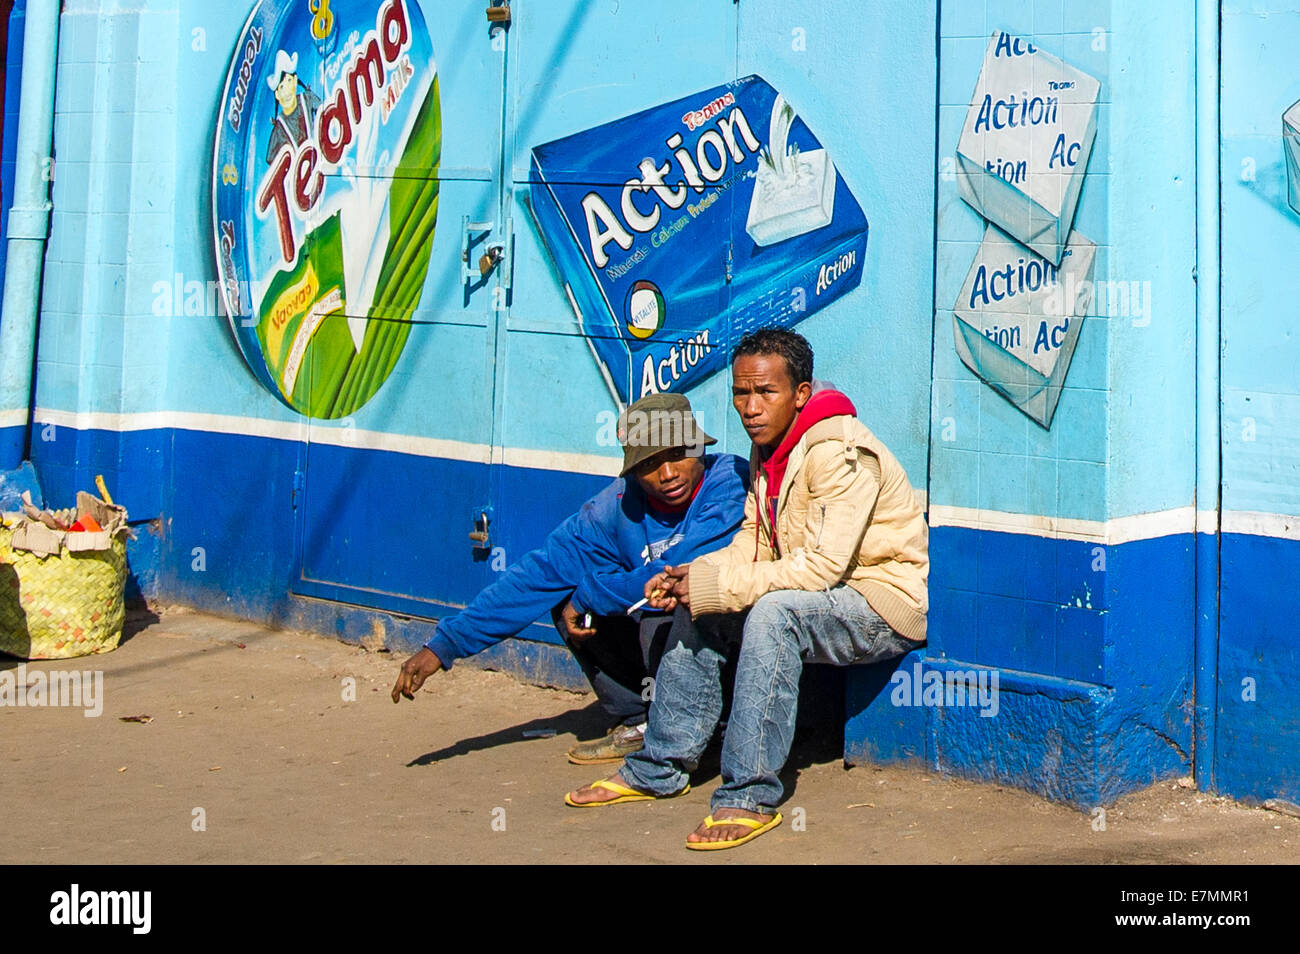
<point x="251" y="753"/>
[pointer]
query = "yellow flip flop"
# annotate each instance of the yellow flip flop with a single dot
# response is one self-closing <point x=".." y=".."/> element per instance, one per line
<point x="757" y="826"/>
<point x="624" y="794"/>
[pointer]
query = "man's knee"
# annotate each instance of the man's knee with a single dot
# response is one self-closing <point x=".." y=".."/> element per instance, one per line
<point x="773" y="618"/>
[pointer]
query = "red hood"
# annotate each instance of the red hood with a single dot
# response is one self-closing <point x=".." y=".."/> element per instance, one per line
<point x="823" y="404"/>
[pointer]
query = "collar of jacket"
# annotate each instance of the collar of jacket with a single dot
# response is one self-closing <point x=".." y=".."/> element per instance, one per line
<point x="838" y="428"/>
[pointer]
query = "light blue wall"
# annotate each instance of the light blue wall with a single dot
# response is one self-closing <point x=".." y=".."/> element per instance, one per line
<point x="1120" y="442"/>
<point x="874" y="342"/>
<point x="986" y="454"/>
<point x="1258" y="740"/>
<point x="1261" y="242"/>
<point x="150" y="131"/>
<point x="1153" y="239"/>
<point x="871" y="102"/>
<point x="101" y="347"/>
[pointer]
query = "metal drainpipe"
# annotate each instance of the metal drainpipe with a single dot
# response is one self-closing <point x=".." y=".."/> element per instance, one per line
<point x="29" y="221"/>
<point x="1208" y="461"/>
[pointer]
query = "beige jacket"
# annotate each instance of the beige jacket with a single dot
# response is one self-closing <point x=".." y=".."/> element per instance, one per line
<point x="846" y="514"/>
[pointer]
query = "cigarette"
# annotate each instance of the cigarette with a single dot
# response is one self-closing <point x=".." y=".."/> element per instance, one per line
<point x="654" y="594"/>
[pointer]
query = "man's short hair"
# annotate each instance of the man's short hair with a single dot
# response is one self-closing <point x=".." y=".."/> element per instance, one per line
<point x="790" y="345"/>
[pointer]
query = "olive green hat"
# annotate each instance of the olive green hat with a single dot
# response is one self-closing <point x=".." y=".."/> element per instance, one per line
<point x="656" y="423"/>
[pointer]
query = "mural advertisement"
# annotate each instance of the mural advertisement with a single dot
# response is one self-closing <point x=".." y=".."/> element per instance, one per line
<point x="1021" y="160"/>
<point x="325" y="194"/>
<point x="732" y="216"/>
<point x="674" y="230"/>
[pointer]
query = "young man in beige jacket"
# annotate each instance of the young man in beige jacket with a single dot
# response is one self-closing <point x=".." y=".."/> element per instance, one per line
<point x="830" y="566"/>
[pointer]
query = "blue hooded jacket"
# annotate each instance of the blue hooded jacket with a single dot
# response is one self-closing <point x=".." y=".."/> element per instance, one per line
<point x="600" y="558"/>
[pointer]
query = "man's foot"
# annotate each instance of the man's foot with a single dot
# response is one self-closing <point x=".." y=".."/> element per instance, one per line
<point x="609" y="791"/>
<point x="596" y="794"/>
<point x="620" y="741"/>
<point x="714" y="832"/>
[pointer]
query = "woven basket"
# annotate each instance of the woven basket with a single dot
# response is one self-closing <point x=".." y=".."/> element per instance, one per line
<point x="65" y="604"/>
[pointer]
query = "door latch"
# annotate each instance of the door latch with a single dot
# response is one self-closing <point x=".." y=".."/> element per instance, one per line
<point x="471" y="234"/>
<point x="497" y="252"/>
<point x="480" y="536"/>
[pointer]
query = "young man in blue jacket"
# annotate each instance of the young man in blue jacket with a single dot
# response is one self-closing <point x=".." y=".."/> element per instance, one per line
<point x="670" y="504"/>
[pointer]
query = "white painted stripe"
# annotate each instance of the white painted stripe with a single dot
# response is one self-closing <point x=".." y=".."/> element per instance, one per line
<point x="1143" y="526"/>
<point x="398" y="443"/>
<point x="333" y="434"/>
<point x="558" y="460"/>
<point x="13" y="418"/>
<point x="1060" y="528"/>
<point x="187" y="421"/>
<point x="1148" y="526"/>
<point x="1257" y="524"/>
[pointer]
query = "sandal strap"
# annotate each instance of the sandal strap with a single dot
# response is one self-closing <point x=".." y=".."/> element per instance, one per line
<point x="751" y="823"/>
<point x="610" y="785"/>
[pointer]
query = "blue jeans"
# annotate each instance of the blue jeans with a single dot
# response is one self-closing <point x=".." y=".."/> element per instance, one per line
<point x="781" y="632"/>
<point x="617" y="661"/>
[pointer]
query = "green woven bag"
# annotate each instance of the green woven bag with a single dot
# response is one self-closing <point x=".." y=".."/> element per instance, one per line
<point x="68" y="603"/>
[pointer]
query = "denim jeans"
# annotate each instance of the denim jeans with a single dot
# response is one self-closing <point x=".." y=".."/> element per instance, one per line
<point x="774" y="639"/>
<point x="617" y="660"/>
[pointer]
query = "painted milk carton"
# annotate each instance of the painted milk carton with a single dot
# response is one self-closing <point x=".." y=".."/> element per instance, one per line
<point x="1291" y="146"/>
<point x="1018" y="316"/>
<point x="680" y="228"/>
<point x="1026" y="142"/>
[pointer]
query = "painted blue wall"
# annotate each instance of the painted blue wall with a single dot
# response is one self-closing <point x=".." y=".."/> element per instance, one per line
<point x="1033" y="570"/>
<point x="1258" y="741"/>
<point x="132" y="338"/>
<point x="1061" y="556"/>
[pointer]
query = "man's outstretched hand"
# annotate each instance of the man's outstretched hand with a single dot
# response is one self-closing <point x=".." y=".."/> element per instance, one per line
<point x="414" y="671"/>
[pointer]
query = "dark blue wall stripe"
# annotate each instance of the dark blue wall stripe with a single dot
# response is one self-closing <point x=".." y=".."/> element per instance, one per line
<point x="1258" y="740"/>
<point x="1093" y="644"/>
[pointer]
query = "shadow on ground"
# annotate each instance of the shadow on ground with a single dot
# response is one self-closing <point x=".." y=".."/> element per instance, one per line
<point x="819" y="734"/>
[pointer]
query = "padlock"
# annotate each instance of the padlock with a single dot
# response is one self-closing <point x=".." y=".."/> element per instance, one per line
<point x="480" y="534"/>
<point x="489" y="259"/>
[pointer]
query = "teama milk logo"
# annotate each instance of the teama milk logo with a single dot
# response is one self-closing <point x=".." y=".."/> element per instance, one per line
<point x="103" y="907"/>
